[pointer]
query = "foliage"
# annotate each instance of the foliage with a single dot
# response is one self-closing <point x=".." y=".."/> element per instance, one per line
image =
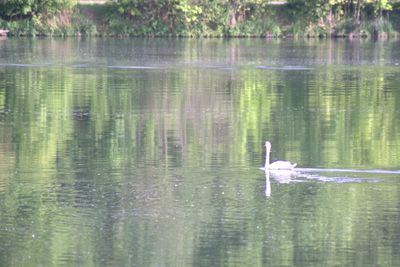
<point x="246" y="17"/>
<point x="17" y="9"/>
<point x="36" y="17"/>
<point x="308" y="10"/>
<point x="346" y="16"/>
<point x="198" y="18"/>
<point x="82" y="25"/>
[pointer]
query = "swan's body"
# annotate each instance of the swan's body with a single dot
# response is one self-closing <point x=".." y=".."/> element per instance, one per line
<point x="281" y="165"/>
<point x="277" y="165"/>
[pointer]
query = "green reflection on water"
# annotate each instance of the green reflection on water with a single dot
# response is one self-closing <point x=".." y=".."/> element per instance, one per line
<point x="158" y="166"/>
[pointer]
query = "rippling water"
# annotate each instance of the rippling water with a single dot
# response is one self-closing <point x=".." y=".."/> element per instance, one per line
<point x="147" y="152"/>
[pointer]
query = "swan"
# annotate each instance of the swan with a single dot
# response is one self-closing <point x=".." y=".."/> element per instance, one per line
<point x="277" y="165"/>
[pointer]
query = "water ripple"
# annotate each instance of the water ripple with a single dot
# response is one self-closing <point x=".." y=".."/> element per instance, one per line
<point x="135" y="67"/>
<point x="376" y="171"/>
<point x="284" y="68"/>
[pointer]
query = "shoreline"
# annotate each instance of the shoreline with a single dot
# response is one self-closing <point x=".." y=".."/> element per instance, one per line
<point x="100" y="20"/>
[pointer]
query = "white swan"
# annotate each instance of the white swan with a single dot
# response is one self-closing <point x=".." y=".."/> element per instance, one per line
<point x="277" y="165"/>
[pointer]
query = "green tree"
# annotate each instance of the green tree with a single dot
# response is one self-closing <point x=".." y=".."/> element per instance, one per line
<point x="159" y="17"/>
<point x="380" y="6"/>
<point x="19" y="9"/>
<point x="310" y="9"/>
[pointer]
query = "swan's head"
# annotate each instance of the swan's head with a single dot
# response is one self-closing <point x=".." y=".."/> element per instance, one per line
<point x="268" y="145"/>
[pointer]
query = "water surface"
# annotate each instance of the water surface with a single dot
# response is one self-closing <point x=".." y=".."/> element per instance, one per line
<point x="146" y="152"/>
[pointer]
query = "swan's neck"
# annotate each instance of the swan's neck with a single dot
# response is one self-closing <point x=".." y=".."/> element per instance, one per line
<point x="266" y="158"/>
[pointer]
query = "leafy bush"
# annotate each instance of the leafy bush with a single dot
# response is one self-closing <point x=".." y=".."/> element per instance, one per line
<point x="379" y="27"/>
<point x="26" y="9"/>
<point x="82" y="25"/>
<point x="345" y="27"/>
<point x="193" y="18"/>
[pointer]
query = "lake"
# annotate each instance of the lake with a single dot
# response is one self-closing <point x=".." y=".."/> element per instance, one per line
<point x="147" y="152"/>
